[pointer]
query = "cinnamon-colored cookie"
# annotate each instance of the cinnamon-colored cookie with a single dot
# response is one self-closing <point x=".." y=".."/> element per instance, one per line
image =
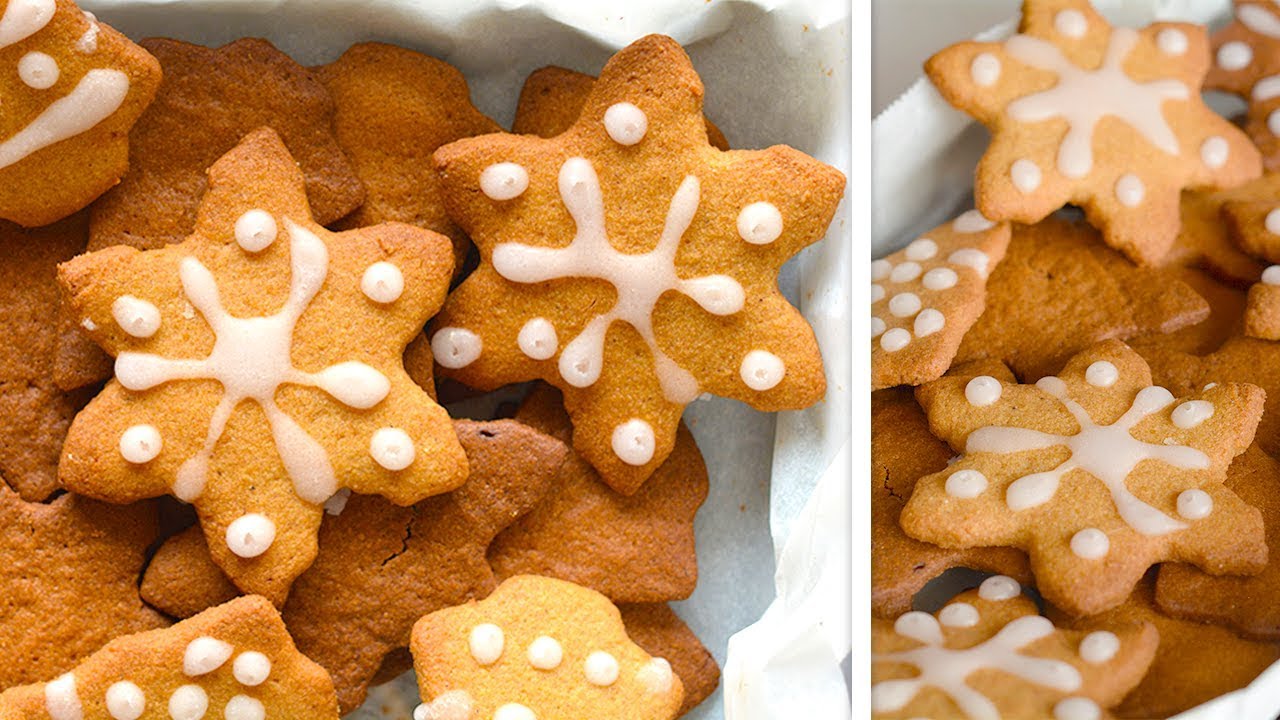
<point x="1225" y="320"/>
<point x="660" y="632"/>
<point x="1246" y="59"/>
<point x="1205" y="241"/>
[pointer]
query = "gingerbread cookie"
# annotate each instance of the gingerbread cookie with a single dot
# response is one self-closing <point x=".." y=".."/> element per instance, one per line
<point x="1096" y="473"/>
<point x="1262" y="313"/>
<point x="74" y="89"/>
<point x="260" y="304"/>
<point x="1205" y="241"/>
<point x="1059" y="290"/>
<point x="209" y="100"/>
<point x="637" y="548"/>
<point x="989" y="654"/>
<point x="1246" y="62"/>
<point x="234" y="661"/>
<point x="925" y="297"/>
<point x="538" y="647"/>
<point x="1107" y="118"/>
<point x="1225" y="320"/>
<point x="551" y="102"/>
<point x="651" y="275"/>
<point x="660" y="632"/>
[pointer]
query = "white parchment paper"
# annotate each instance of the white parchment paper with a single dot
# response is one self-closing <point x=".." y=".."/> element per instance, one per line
<point x="776" y="71"/>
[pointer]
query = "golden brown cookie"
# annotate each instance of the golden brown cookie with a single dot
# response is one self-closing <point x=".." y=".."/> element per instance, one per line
<point x="1107" y="118"/>
<point x="1262" y="310"/>
<point x="1096" y="473"/>
<point x="660" y="632"/>
<point x="1225" y="320"/>
<point x="538" y="647"/>
<point x="234" y="661"/>
<point x="1246" y="60"/>
<point x="72" y="90"/>
<point x="262" y="305"/>
<point x="1205" y="241"/>
<point x="632" y="265"/>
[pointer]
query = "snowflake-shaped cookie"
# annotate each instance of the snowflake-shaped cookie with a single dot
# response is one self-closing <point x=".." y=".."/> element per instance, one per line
<point x="632" y="265"/>
<point x="1110" y="119"/>
<point x="1246" y="62"/>
<point x="988" y="654"/>
<point x="258" y="369"/>
<point x="1096" y="473"/>
<point x="927" y="295"/>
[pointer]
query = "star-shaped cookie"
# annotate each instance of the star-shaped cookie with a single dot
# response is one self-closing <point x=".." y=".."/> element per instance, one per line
<point x="1246" y="61"/>
<point x="632" y="265"/>
<point x="1204" y="241"/>
<point x="259" y="368"/>
<point x="1107" y="118"/>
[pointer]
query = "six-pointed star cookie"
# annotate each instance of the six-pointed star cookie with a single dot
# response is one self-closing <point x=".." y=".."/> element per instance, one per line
<point x="259" y="368"/>
<point x="1104" y="117"/>
<point x="1246" y="62"/>
<point x="1096" y="473"/>
<point x="632" y="265"/>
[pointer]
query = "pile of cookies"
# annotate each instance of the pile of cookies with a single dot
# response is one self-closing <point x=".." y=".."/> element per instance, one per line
<point x="229" y="283"/>
<point x="1076" y="386"/>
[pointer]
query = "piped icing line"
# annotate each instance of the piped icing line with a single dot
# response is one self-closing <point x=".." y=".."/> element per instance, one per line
<point x="95" y="98"/>
<point x="24" y="18"/>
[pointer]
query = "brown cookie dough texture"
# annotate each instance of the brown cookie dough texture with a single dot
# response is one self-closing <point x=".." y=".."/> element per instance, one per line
<point x="925" y="297"/>
<point x="234" y="661"/>
<point x="1206" y="242"/>
<point x="1107" y="118"/>
<point x="1096" y="473"/>
<point x="1225" y="320"/>
<point x="72" y="89"/>
<point x="259" y="369"/>
<point x="657" y="629"/>
<point x="990" y="654"/>
<point x="632" y="265"/>
<point x="1246" y="59"/>
<point x="539" y="647"/>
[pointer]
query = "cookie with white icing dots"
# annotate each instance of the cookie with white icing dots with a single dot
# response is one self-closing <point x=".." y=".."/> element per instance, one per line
<point x="1096" y="473"/>
<point x="1107" y="118"/>
<point x="632" y="265"/>
<point x="259" y="368"/>
<point x="538" y="648"/>
<point x="1255" y="226"/>
<point x="73" y="87"/>
<point x="1246" y="62"/>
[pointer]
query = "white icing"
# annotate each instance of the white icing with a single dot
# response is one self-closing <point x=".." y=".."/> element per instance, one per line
<point x="1191" y="413"/>
<point x="999" y="587"/>
<point x="1266" y="89"/>
<point x="1101" y="374"/>
<point x="1234" y="55"/>
<point x="88" y="324"/>
<point x="250" y="535"/>
<point x="959" y="614"/>
<point x="1194" y="504"/>
<point x="60" y="698"/>
<point x="633" y="442"/>
<point x="189" y="702"/>
<point x="760" y="223"/>
<point x="98" y="94"/>
<point x="1083" y="97"/>
<point x="256" y="230"/>
<point x="1025" y="175"/>
<point x="336" y="504"/>
<point x="38" y="70"/>
<point x="24" y="18"/>
<point x="919" y="626"/>
<point x="1130" y="190"/>
<point x="1107" y="452"/>
<point x="904" y="304"/>
<point x="905" y="272"/>
<point x="1258" y="19"/>
<point x="243" y="707"/>
<point x="894" y="340"/>
<point x="504" y="181"/>
<point x="1090" y="543"/>
<point x="1099" y="647"/>
<point x="1171" y="41"/>
<point x="1071" y="23"/>
<point x="88" y="42"/>
<point x="1272" y="221"/>
<point x="921" y="249"/>
<point x="453" y="705"/>
<point x="761" y="370"/>
<point x="656" y="676"/>
<point x="1076" y="708"/>
<point x="125" y="701"/>
<point x="939" y="279"/>
<point x="1271" y="276"/>
<point x="983" y="390"/>
<point x="538" y="340"/>
<point x="140" y="444"/>
<point x="455" y="347"/>
<point x="1214" y="152"/>
<point x="877" y="327"/>
<point x="251" y="669"/>
<point x="985" y="69"/>
<point x="972" y="222"/>
<point x="382" y="282"/>
<point x="486" y="643"/>
<point x="625" y="123"/>
<point x="928" y="322"/>
<point x="965" y="484"/>
<point x="600" y="669"/>
<point x="545" y="653"/>
<point x="972" y="258"/>
<point x="877" y="293"/>
<point x="136" y="317"/>
<point x="514" y="711"/>
<point x="204" y="655"/>
<point x="880" y="269"/>
<point x="1273" y="122"/>
<point x="392" y="448"/>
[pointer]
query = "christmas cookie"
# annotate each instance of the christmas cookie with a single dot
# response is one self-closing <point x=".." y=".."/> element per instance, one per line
<point x="234" y="661"/>
<point x="1096" y="473"/>
<point x="1206" y="242"/>
<point x="989" y="654"/>
<point x="1107" y="118"/>
<point x="637" y="548"/>
<point x="1246" y="62"/>
<point x="632" y="265"/>
<point x="258" y="368"/>
<point x="538" y="647"/>
<point x="927" y="295"/>
<point x="660" y="632"/>
<point x="72" y="89"/>
<point x="1226" y="318"/>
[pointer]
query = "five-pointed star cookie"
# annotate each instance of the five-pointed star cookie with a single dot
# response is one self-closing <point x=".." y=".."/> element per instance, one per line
<point x="1246" y="62"/>
<point x="72" y="88"/>
<point x="259" y="368"/>
<point x="1096" y="473"/>
<point x="989" y="654"/>
<point x="1104" y="117"/>
<point x="632" y="265"/>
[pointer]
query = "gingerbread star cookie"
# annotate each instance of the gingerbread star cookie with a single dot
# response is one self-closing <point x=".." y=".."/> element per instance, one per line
<point x="1096" y="473"/>
<point x="1103" y="117"/>
<point x="543" y="648"/>
<point x="72" y="89"/>
<point x="989" y="654"/>
<point x="657" y="629"/>
<point x="632" y="265"/>
<point x="1205" y="242"/>
<point x="234" y="661"/>
<point x="1246" y="62"/>
<point x="259" y="368"/>
<point x="925" y="297"/>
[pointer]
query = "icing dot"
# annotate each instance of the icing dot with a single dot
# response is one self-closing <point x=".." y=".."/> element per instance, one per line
<point x="983" y="391"/>
<point x="1101" y="374"/>
<point x="906" y="272"/>
<point x="61" y="700"/>
<point x="959" y="614"/>
<point x="940" y="279"/>
<point x="633" y="442"/>
<point x="877" y="293"/>
<point x="392" y="448"/>
<point x="125" y="701"/>
<point x="969" y="257"/>
<point x="928" y="322"/>
<point x="1071" y="23"/>
<point x="601" y="668"/>
<point x="1272" y="221"/>
<point x="1273" y="122"/>
<point x="921" y="250"/>
<point x="1090" y="543"/>
<point x="1234" y="55"/>
<point x="972" y="222"/>
<point x="1025" y="175"/>
<point x="1194" y="504"/>
<point x="453" y="705"/>
<point x="251" y="668"/>
<point x="504" y="181"/>
<point x="894" y="340"/>
<point x="966" y="484"/>
<point x="140" y="444"/>
<point x="538" y="340"/>
<point x="88" y="42"/>
<point x="625" y="123"/>
<point x="1214" y="152"/>
<point x="38" y="70"/>
<point x="1130" y="190"/>
<point x="337" y="502"/>
<point x="656" y="676"/>
<point x="136" y="317"/>
<point x="904" y="304"/>
<point x="760" y="223"/>
<point x="486" y="643"/>
<point x="762" y="370"/>
<point x="919" y="626"/>
<point x="1171" y="41"/>
<point x="877" y="327"/>
<point x="248" y="536"/>
<point x="1099" y="647"/>
<point x="1271" y="276"/>
<point x="545" y="653"/>
<point x="999" y="587"/>
<point x="985" y="69"/>
<point x="1191" y="413"/>
<point x="255" y="231"/>
<point x="717" y="294"/>
<point x="514" y="711"/>
<point x="382" y="282"/>
<point x="243" y="707"/>
<point x="1076" y="708"/>
<point x="455" y="347"/>
<point x="880" y="269"/>
<point x="204" y="655"/>
<point x="1052" y="385"/>
<point x="189" y="702"/>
